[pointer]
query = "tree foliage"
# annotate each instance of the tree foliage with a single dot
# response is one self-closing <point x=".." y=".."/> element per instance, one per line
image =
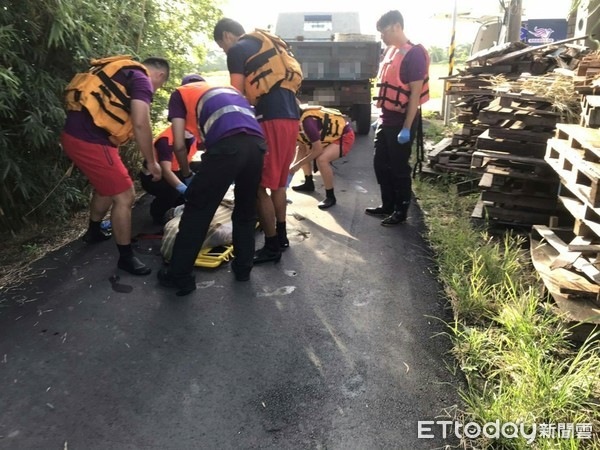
<point x="43" y="43"/>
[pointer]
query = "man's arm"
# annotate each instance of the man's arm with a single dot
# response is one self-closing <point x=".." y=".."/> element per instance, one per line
<point x="237" y="81"/>
<point x="179" y="148"/>
<point x="416" y="87"/>
<point x="142" y="131"/>
<point x="313" y="153"/>
<point x="168" y="175"/>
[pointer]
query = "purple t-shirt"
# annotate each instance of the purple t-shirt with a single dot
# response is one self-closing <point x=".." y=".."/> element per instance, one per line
<point x="164" y="151"/>
<point x="414" y="68"/>
<point x="79" y="124"/>
<point x="313" y="127"/>
<point x="278" y="103"/>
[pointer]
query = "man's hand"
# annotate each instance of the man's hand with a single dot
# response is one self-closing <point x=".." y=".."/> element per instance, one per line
<point x="181" y="188"/>
<point x="155" y="170"/>
<point x="404" y="136"/>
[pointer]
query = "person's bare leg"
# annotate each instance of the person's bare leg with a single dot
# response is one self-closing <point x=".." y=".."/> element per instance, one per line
<point x="99" y="206"/>
<point x="279" y="199"/>
<point x="331" y="153"/>
<point x="121" y="223"/>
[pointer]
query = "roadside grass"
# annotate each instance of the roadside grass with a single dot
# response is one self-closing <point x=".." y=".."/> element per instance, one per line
<point x="515" y="353"/>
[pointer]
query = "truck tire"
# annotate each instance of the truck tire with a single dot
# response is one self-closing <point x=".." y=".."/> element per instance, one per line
<point x="363" y="118"/>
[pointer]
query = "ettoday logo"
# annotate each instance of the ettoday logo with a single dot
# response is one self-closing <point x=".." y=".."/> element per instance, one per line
<point x="429" y="429"/>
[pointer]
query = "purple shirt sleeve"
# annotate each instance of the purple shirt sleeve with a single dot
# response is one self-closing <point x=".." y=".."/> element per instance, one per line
<point x="164" y="151"/>
<point x="414" y="65"/>
<point x="176" y="107"/>
<point x="312" y="129"/>
<point x="139" y="86"/>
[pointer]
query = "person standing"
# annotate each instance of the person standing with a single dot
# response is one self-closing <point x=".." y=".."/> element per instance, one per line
<point x="235" y="146"/>
<point x="106" y="106"/>
<point x="325" y="135"/>
<point x="262" y="68"/>
<point x="403" y="83"/>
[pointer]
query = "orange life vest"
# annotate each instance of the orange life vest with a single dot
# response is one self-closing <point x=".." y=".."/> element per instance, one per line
<point x="273" y="65"/>
<point x="393" y="93"/>
<point x="332" y="120"/>
<point x="105" y="99"/>
<point x="190" y="94"/>
<point x="168" y="134"/>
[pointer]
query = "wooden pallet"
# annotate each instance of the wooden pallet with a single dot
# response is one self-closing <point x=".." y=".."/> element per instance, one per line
<point x="483" y="158"/>
<point x="508" y="216"/>
<point x="518" y="132"/>
<point x="496" y="114"/>
<point x="514" y="147"/>
<point x="518" y="173"/>
<point x="590" y="111"/>
<point x="578" y="174"/>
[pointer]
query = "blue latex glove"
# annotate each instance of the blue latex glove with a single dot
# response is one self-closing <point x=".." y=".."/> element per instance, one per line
<point x="404" y="136"/>
<point x="181" y="188"/>
<point x="189" y="179"/>
<point x="374" y="125"/>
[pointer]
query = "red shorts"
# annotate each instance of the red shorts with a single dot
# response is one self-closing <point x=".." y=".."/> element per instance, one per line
<point x="281" y="135"/>
<point x="347" y="141"/>
<point x="100" y="163"/>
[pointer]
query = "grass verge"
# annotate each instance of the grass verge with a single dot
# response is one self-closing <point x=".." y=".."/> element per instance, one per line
<point x="516" y="355"/>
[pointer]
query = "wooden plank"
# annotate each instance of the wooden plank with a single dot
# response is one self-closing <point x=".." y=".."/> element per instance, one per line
<point x="520" y="134"/>
<point x="590" y="111"/>
<point x="566" y="283"/>
<point x="581" y="264"/>
<point x="531" y="49"/>
<point x="493" y="116"/>
<point x="518" y="200"/>
<point x="584" y="244"/>
<point x="582" y="212"/>
<point x="516" y="173"/>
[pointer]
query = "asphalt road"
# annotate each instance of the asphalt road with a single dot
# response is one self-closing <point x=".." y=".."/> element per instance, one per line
<point x="335" y="347"/>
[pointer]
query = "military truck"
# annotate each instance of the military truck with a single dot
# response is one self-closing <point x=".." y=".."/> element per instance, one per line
<point x="339" y="63"/>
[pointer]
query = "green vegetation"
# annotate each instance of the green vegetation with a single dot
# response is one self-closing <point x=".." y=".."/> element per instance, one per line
<point x="42" y="45"/>
<point x="514" y="351"/>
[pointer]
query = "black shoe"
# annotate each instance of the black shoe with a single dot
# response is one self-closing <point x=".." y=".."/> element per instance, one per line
<point x="395" y="218"/>
<point x="134" y="266"/>
<point x="307" y="186"/>
<point x="92" y="238"/>
<point x="265" y="254"/>
<point x="327" y="203"/>
<point x="166" y="279"/>
<point x="284" y="242"/>
<point x="379" y="211"/>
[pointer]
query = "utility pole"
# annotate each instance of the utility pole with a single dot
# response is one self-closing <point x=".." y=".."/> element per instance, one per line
<point x="514" y="21"/>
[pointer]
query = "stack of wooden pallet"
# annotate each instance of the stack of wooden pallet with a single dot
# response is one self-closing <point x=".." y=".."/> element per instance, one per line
<point x="568" y="258"/>
<point x="517" y="185"/>
<point x="471" y="94"/>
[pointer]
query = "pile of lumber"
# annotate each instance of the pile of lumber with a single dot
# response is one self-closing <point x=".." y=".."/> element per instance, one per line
<point x="517" y="186"/>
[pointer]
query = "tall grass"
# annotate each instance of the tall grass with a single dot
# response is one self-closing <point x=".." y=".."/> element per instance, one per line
<point x="516" y="355"/>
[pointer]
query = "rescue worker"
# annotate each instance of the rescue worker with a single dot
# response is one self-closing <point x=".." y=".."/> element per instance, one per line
<point x="263" y="69"/>
<point x="106" y="106"/>
<point x="235" y="145"/>
<point x="325" y="135"/>
<point x="168" y="192"/>
<point x="403" y="83"/>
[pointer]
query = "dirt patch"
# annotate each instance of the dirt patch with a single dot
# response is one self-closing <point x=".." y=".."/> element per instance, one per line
<point x="20" y="251"/>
